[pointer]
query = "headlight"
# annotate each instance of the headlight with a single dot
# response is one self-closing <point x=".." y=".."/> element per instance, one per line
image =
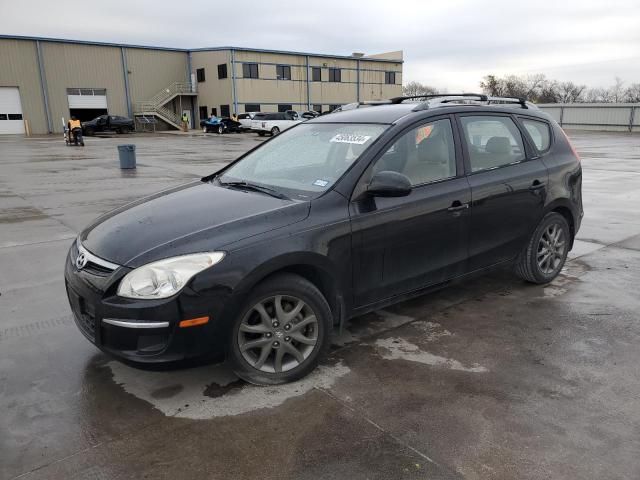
<point x="165" y="278"/>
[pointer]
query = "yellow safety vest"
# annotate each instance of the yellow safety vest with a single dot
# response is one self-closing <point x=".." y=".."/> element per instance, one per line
<point x="75" y="124"/>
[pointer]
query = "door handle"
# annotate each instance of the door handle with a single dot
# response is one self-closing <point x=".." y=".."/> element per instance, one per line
<point x="457" y="206"/>
<point x="536" y="185"/>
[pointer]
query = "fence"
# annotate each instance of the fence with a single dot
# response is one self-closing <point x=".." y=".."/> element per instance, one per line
<point x="613" y="117"/>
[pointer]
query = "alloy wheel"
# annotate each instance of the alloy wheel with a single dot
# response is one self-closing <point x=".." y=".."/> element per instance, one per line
<point x="278" y="334"/>
<point x="551" y="249"/>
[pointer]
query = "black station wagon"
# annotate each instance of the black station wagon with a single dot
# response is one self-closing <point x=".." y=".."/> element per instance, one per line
<point x="337" y="216"/>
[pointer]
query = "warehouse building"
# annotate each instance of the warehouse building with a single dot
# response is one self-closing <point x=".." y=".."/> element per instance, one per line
<point x="43" y="81"/>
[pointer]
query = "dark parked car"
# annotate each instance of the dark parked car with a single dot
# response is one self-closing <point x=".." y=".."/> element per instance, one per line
<point x="220" y="125"/>
<point x="108" y="123"/>
<point x="335" y="217"/>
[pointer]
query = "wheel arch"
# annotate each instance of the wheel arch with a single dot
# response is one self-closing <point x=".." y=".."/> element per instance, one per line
<point x="563" y="207"/>
<point x="313" y="267"/>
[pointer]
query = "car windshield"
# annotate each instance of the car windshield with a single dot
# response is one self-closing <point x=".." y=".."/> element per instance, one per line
<point x="304" y="161"/>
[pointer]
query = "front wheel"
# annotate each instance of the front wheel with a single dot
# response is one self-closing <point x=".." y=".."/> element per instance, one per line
<point x="546" y="252"/>
<point x="205" y="130"/>
<point x="220" y="129"/>
<point x="124" y="130"/>
<point x="282" y="332"/>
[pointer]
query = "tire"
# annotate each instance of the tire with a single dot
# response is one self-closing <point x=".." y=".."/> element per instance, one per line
<point x="205" y="130"/>
<point x="124" y="130"/>
<point x="549" y="241"/>
<point x="220" y="130"/>
<point x="312" y="322"/>
<point x="262" y="134"/>
<point x="275" y="131"/>
<point x="88" y="132"/>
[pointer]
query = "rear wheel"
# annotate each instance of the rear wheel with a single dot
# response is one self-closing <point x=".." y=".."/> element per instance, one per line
<point x="220" y="129"/>
<point x="88" y="132"/>
<point x="546" y="252"/>
<point x="124" y="130"/>
<point x="282" y="332"/>
<point x="262" y="134"/>
<point x="205" y="130"/>
<point x="275" y="131"/>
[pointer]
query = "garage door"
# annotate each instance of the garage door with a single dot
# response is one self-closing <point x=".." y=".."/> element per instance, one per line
<point x="90" y="98"/>
<point x="10" y="111"/>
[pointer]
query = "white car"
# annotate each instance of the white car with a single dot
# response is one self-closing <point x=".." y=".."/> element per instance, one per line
<point x="245" y="119"/>
<point x="274" y="123"/>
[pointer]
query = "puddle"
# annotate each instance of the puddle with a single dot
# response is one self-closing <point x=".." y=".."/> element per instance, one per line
<point x="366" y="325"/>
<point x="214" y="391"/>
<point x="400" y="349"/>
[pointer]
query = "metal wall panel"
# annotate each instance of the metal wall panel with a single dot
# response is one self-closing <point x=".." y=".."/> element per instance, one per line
<point x="19" y="68"/>
<point x="595" y="116"/>
<point x="82" y="66"/>
<point x="154" y="70"/>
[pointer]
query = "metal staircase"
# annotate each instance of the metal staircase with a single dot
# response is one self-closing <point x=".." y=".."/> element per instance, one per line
<point x="156" y="106"/>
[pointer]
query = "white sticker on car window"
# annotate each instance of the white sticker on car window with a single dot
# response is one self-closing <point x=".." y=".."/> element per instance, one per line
<point x="321" y="183"/>
<point x="350" y="138"/>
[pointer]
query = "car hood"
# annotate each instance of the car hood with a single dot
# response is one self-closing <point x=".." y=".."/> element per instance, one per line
<point x="196" y="217"/>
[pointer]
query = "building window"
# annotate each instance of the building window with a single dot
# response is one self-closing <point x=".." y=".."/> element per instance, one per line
<point x="200" y="74"/>
<point x="283" y="107"/>
<point x="333" y="107"/>
<point x="316" y="74"/>
<point x="335" y="75"/>
<point x="317" y="108"/>
<point x="252" y="107"/>
<point x="224" y="111"/>
<point x="222" y="71"/>
<point x="214" y="112"/>
<point x="3" y="116"/>
<point x="390" y="78"/>
<point x="283" y="72"/>
<point x="15" y="116"/>
<point x="250" y="70"/>
<point x="203" y="111"/>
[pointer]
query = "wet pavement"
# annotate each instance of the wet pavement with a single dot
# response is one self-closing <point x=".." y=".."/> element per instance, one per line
<point x="490" y="379"/>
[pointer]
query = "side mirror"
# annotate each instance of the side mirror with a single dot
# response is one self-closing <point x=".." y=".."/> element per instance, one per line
<point x="389" y="184"/>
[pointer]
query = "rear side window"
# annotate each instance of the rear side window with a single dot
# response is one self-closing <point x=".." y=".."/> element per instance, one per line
<point x="539" y="132"/>
<point x="492" y="141"/>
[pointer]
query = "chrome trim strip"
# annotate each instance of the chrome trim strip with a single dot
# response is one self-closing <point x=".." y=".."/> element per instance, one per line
<point x="97" y="260"/>
<point x="134" y="324"/>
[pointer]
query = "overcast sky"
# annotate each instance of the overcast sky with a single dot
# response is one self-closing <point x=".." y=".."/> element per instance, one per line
<point x="449" y="44"/>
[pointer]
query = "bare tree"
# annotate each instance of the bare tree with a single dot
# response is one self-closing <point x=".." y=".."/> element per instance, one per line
<point x="632" y="94"/>
<point x="616" y="91"/>
<point x="569" y="92"/>
<point x="417" y="88"/>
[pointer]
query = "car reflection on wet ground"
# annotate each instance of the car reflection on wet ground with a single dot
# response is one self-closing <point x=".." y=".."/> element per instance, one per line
<point x="492" y="378"/>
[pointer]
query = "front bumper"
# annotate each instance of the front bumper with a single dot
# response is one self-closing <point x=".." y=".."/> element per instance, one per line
<point x="143" y="331"/>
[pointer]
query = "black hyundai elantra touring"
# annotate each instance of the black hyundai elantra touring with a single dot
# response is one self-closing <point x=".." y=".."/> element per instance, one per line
<point x="335" y="217"/>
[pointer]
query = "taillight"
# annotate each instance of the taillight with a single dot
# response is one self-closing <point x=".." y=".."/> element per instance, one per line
<point x="573" y="149"/>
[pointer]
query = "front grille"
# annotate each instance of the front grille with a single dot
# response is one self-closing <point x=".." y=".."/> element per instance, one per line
<point x="94" y="265"/>
<point x="96" y="269"/>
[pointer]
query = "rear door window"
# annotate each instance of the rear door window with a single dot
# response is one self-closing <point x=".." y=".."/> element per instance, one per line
<point x="492" y="141"/>
<point x="539" y="132"/>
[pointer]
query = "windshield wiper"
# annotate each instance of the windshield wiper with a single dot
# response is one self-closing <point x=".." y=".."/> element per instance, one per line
<point x="256" y="188"/>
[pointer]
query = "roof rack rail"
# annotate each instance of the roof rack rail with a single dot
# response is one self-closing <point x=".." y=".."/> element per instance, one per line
<point x="478" y="96"/>
<point x="514" y="100"/>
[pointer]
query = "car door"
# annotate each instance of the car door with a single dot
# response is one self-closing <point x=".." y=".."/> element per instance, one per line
<point x="401" y="244"/>
<point x="508" y="187"/>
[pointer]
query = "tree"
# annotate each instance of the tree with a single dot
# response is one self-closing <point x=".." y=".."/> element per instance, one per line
<point x="417" y="88"/>
<point x="569" y="92"/>
<point x="632" y="94"/>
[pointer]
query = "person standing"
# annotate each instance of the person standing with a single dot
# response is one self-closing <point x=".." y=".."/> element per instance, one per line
<point x="185" y="122"/>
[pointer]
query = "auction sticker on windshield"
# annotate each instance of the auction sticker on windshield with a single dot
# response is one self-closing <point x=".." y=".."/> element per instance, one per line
<point x="350" y="138"/>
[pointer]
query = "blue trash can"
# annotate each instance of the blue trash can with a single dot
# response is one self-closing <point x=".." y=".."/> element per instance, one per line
<point x="127" y="154"/>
